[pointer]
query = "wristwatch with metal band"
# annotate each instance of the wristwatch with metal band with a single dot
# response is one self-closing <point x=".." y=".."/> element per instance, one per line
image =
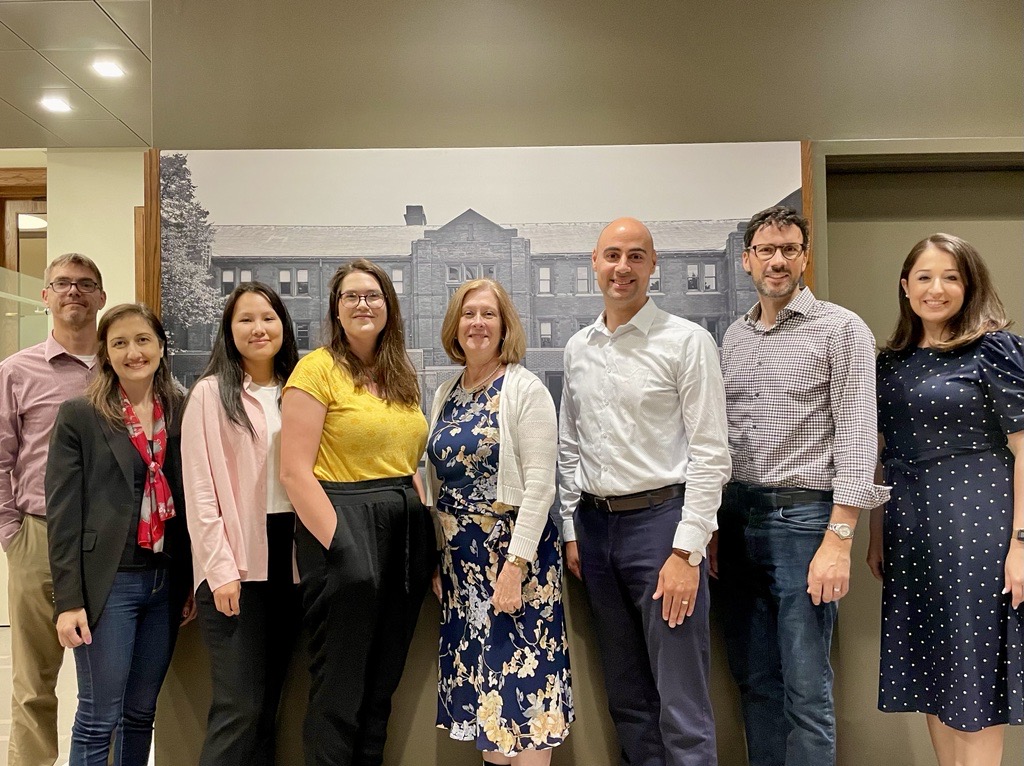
<point x="843" y="531"/>
<point x="1018" y="534"/>
<point x="517" y="561"/>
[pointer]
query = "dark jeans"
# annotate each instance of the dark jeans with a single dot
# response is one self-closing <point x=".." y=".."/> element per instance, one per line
<point x="120" y="672"/>
<point x="656" y="677"/>
<point x="249" y="657"/>
<point x="361" y="598"/>
<point x="777" y="640"/>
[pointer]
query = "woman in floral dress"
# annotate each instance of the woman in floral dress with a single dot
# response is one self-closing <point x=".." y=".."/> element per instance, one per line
<point x="504" y="662"/>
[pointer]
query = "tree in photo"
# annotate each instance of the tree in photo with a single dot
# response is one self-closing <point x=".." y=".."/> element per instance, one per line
<point x="188" y="300"/>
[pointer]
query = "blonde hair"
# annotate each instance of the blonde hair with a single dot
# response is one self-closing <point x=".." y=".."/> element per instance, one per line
<point x="512" y="347"/>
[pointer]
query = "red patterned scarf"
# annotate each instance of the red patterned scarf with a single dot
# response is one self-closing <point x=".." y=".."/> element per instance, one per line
<point x="157" y="503"/>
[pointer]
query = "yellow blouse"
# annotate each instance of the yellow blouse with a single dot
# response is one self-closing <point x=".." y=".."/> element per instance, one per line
<point x="364" y="437"/>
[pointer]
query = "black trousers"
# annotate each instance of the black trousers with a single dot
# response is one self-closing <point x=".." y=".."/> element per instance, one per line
<point x="361" y="598"/>
<point x="249" y="657"/>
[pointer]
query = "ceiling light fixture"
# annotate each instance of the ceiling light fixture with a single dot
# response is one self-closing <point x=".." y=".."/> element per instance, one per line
<point x="55" y="104"/>
<point x="107" y="69"/>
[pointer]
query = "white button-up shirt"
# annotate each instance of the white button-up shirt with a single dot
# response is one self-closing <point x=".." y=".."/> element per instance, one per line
<point x="643" y="407"/>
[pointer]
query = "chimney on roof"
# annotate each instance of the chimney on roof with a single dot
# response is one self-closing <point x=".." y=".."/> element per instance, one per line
<point x="414" y="215"/>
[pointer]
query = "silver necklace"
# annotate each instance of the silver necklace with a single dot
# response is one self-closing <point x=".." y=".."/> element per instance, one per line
<point x="482" y="383"/>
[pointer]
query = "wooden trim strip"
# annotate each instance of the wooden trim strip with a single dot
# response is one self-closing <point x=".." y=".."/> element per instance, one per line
<point x="807" y="202"/>
<point x="147" y="263"/>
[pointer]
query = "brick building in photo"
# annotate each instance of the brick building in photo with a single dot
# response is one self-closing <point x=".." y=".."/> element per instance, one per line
<point x="545" y="267"/>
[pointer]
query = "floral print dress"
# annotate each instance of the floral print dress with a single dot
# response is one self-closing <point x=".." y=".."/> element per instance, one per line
<point x="504" y="679"/>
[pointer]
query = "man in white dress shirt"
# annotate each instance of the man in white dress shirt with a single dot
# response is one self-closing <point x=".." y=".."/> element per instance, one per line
<point x="643" y="456"/>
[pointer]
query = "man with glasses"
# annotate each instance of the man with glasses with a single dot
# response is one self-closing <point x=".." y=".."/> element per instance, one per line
<point x="643" y="454"/>
<point x="800" y="387"/>
<point x="33" y="384"/>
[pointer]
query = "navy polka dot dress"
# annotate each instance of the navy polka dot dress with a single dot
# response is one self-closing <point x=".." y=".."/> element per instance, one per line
<point x="951" y="644"/>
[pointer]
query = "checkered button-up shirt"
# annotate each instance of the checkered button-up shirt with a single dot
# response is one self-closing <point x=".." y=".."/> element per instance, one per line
<point x="801" y="401"/>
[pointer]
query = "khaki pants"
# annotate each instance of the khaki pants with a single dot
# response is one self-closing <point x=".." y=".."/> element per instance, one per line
<point x="36" y="654"/>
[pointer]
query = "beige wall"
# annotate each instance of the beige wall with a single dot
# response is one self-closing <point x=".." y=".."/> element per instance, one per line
<point x="91" y="196"/>
<point x="873" y="221"/>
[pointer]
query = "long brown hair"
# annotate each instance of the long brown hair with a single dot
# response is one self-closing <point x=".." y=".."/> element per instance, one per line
<point x="981" y="313"/>
<point x="104" y="391"/>
<point x="392" y="371"/>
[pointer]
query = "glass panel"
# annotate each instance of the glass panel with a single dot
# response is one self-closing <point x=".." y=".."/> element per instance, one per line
<point x="23" y="322"/>
<point x="710" y="281"/>
<point x="692" y="276"/>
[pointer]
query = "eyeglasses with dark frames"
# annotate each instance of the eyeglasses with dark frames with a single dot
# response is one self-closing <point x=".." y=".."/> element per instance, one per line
<point x="351" y="300"/>
<point x="790" y="250"/>
<point x="65" y="285"/>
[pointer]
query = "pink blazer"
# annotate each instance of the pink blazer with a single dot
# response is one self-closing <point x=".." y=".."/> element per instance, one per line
<point x="225" y="476"/>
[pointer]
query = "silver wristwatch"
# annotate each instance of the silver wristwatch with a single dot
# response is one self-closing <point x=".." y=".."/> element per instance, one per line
<point x="842" y="531"/>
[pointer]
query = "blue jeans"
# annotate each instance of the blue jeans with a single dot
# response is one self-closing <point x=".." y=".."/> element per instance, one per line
<point x="777" y="640"/>
<point x="120" y="672"/>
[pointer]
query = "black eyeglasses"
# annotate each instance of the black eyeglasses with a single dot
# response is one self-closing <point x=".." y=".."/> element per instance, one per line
<point x="790" y="250"/>
<point x="65" y="285"/>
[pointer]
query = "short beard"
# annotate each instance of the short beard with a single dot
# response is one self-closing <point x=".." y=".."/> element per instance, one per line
<point x="779" y="292"/>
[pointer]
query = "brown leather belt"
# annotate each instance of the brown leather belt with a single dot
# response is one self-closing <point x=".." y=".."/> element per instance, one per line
<point x="636" y="501"/>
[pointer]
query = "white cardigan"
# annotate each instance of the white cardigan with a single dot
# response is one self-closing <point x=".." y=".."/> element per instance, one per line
<point x="528" y="435"/>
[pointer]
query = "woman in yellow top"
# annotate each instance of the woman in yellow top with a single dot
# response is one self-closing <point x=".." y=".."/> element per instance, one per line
<point x="351" y="437"/>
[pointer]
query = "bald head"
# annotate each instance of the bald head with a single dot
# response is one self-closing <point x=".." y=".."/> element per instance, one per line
<point x="624" y="261"/>
<point x="626" y="227"/>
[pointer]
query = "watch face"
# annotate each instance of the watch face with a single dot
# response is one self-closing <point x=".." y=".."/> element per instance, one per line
<point x="843" y="530"/>
<point x="695" y="558"/>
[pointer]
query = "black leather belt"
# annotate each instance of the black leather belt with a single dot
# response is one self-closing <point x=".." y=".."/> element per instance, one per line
<point x="636" y="501"/>
<point x="777" y="497"/>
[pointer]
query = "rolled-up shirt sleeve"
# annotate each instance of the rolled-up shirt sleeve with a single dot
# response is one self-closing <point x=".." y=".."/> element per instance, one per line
<point x="855" y="415"/>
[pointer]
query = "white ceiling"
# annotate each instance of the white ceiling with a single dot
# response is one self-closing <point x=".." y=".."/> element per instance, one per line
<point x="47" y="47"/>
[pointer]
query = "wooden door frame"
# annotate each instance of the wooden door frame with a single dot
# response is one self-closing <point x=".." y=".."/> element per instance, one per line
<point x="18" y="184"/>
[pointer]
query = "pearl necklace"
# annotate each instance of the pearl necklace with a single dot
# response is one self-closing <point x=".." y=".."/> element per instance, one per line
<point x="482" y="383"/>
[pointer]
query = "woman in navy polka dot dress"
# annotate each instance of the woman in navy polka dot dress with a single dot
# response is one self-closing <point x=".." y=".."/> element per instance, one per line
<point x="951" y="416"/>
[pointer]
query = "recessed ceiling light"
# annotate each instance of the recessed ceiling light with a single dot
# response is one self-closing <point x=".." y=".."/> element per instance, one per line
<point x="55" y="104"/>
<point x="107" y="69"/>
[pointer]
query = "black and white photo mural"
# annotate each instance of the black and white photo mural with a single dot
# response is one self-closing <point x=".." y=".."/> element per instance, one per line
<point x="433" y="218"/>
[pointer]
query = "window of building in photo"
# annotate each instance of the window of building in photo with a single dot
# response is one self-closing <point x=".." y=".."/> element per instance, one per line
<point x="582" y="322"/>
<point x="302" y="335"/>
<point x="584" y="280"/>
<point x="244" y="275"/>
<point x="302" y="281"/>
<point x="227" y="281"/>
<point x="655" y="283"/>
<point x="463" y="272"/>
<point x="284" y="281"/>
<point x="545" y="328"/>
<point x="544" y="280"/>
<point x="398" y="280"/>
<point x="701" y="278"/>
<point x="710" y="278"/>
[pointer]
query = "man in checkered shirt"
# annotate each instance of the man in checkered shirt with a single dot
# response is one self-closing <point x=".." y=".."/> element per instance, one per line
<point x="800" y="389"/>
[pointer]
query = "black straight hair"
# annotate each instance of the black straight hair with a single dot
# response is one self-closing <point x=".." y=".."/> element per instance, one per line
<point x="226" y="361"/>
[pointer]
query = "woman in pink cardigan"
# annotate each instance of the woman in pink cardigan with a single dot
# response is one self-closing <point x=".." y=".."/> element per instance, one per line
<point x="242" y="524"/>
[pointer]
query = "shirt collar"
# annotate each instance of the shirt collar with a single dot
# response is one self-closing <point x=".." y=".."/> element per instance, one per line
<point x="53" y="349"/>
<point x="641" y="320"/>
<point x="802" y="303"/>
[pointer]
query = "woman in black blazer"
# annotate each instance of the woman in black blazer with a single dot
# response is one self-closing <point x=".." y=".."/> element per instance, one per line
<point x="119" y="548"/>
